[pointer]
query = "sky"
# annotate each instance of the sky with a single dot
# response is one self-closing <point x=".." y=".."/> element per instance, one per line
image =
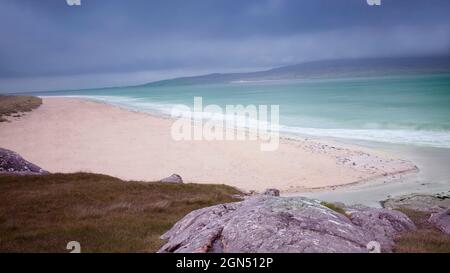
<point x="49" y="45"/>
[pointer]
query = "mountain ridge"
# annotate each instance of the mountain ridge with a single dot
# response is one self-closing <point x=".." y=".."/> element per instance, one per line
<point x="323" y="69"/>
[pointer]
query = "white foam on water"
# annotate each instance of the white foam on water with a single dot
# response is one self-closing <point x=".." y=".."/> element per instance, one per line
<point x="440" y="139"/>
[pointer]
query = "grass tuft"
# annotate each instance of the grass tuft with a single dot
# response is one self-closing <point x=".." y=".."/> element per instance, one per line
<point x="334" y="207"/>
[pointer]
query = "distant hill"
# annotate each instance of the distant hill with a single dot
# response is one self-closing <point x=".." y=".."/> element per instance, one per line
<point x="325" y="69"/>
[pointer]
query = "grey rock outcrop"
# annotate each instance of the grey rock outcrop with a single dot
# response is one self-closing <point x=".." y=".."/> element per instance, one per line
<point x="441" y="220"/>
<point x="272" y="192"/>
<point x="12" y="163"/>
<point x="419" y="202"/>
<point x="383" y="225"/>
<point x="174" y="178"/>
<point x="437" y="206"/>
<point x="281" y="224"/>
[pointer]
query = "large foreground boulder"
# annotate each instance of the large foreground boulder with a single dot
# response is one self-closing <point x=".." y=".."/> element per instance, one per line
<point x="281" y="224"/>
<point x="12" y="163"/>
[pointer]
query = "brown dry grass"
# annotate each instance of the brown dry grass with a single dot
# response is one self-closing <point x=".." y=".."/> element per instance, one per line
<point x="426" y="239"/>
<point x="104" y="214"/>
<point x="13" y="105"/>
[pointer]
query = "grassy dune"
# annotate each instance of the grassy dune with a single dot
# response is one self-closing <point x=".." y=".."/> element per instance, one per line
<point x="15" y="105"/>
<point x="104" y="214"/>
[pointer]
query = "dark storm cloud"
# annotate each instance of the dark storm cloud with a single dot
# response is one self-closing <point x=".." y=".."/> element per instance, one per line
<point x="48" y="38"/>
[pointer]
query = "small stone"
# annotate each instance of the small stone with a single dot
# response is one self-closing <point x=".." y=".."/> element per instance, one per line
<point x="174" y="178"/>
<point x="272" y="192"/>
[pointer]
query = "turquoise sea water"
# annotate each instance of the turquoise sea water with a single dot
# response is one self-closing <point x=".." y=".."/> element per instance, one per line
<point x="413" y="110"/>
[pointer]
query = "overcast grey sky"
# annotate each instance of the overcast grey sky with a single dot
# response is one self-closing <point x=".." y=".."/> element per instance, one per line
<point x="47" y="44"/>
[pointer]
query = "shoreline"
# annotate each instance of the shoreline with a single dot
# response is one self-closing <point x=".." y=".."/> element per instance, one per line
<point x="433" y="178"/>
<point x="298" y="166"/>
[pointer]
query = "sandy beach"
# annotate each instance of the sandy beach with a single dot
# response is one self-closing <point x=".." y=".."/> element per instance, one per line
<point x="73" y="135"/>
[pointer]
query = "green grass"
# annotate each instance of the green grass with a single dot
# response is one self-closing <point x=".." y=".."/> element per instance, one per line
<point x="104" y="214"/>
<point x="426" y="239"/>
<point x="13" y="105"/>
<point x="334" y="207"/>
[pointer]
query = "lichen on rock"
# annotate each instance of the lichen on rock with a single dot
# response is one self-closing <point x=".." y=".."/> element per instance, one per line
<point x="282" y="224"/>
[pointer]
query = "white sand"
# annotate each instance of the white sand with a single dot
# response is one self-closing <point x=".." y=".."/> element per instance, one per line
<point x="71" y="135"/>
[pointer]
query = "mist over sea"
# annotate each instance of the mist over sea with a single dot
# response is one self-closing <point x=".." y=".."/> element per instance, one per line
<point x="412" y="110"/>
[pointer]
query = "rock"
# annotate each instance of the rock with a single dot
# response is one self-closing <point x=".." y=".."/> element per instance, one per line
<point x="174" y="178"/>
<point x="419" y="202"/>
<point x="382" y="224"/>
<point x="272" y="192"/>
<point x="441" y="220"/>
<point x="13" y="163"/>
<point x="284" y="224"/>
